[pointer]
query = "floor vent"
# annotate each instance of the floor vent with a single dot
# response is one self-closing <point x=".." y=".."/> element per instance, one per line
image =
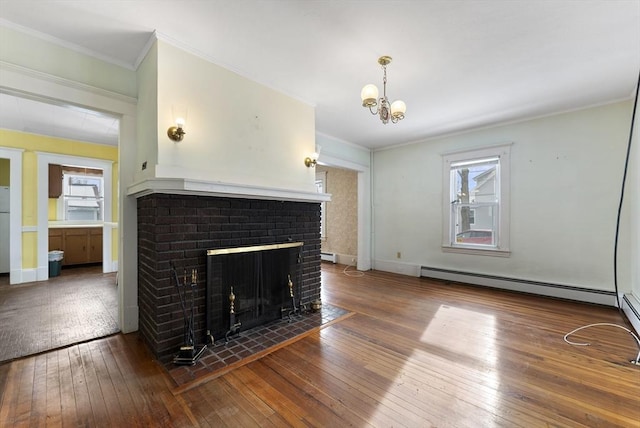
<point x="329" y="257"/>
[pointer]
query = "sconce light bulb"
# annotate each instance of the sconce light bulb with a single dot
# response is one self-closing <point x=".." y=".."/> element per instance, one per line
<point x="180" y="122"/>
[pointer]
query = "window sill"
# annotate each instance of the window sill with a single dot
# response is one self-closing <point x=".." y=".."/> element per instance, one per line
<point x="476" y="251"/>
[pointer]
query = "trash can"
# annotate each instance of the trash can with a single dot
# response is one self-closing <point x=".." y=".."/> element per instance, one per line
<point x="55" y="262"/>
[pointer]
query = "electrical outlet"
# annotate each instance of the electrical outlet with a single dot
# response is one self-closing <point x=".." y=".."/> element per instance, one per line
<point x="353" y="259"/>
<point x="398" y="255"/>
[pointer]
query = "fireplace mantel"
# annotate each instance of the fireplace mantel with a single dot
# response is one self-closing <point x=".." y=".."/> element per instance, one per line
<point x="185" y="186"/>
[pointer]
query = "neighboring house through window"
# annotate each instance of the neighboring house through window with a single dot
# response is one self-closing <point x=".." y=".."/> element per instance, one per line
<point x="476" y="204"/>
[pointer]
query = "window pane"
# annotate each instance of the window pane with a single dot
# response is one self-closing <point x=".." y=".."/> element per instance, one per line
<point x="475" y="183"/>
<point x="83" y="197"/>
<point x="484" y="231"/>
<point x="475" y="202"/>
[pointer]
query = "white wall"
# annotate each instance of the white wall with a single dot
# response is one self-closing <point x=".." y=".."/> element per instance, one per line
<point x="566" y="172"/>
<point x="237" y="131"/>
<point x="147" y="114"/>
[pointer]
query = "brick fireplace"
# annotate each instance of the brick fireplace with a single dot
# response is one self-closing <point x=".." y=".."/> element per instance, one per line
<point x="177" y="230"/>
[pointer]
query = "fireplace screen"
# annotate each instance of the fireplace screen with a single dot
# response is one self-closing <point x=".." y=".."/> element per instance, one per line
<point x="250" y="286"/>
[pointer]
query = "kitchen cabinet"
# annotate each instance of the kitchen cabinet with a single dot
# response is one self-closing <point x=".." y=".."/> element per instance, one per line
<point x="55" y="181"/>
<point x="55" y="239"/>
<point x="81" y="245"/>
<point x="95" y="245"/>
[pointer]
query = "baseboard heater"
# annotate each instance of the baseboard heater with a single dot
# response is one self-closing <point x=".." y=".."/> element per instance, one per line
<point x="631" y="308"/>
<point x="329" y="257"/>
<point x="601" y="297"/>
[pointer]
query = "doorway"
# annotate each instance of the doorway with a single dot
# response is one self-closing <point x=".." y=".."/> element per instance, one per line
<point x="43" y="313"/>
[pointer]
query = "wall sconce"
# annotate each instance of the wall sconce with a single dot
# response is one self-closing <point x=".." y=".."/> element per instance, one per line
<point x="176" y="133"/>
<point x="312" y="161"/>
<point x="179" y="113"/>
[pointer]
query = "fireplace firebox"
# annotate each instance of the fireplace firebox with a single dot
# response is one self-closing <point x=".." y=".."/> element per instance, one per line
<point x="251" y="286"/>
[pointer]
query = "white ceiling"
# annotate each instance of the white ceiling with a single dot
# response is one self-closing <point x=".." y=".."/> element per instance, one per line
<point x="458" y="65"/>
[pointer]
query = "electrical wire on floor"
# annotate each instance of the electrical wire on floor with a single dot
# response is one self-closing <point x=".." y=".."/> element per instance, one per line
<point x="636" y="361"/>
<point x="352" y="273"/>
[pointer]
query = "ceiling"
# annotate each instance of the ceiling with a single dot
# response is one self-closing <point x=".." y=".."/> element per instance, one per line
<point x="458" y="65"/>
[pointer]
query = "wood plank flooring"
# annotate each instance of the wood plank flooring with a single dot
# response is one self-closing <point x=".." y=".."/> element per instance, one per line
<point x="417" y="353"/>
<point x="78" y="305"/>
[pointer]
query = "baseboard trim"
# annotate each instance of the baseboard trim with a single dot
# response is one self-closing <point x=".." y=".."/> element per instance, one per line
<point x="569" y="292"/>
<point x="397" y="267"/>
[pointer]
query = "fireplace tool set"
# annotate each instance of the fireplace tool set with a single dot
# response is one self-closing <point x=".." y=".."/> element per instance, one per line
<point x="293" y="310"/>
<point x="189" y="352"/>
<point x="234" y="326"/>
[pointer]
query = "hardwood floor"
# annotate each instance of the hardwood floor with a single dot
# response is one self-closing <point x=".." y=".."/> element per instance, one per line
<point x="415" y="353"/>
<point x="78" y="305"/>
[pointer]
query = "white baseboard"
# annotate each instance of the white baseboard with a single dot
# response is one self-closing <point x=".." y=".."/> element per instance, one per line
<point x="130" y="313"/>
<point x="397" y="267"/>
<point x="110" y="267"/>
<point x="30" y="275"/>
<point x="346" y="259"/>
<point x="21" y="276"/>
<point x="580" y="294"/>
<point x="343" y="259"/>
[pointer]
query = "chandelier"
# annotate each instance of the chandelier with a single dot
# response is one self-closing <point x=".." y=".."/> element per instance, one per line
<point x="369" y="95"/>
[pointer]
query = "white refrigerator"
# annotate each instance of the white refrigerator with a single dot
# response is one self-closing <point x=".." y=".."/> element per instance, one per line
<point x="5" y="245"/>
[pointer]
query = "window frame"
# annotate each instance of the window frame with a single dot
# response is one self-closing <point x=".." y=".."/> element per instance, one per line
<point x="68" y="198"/>
<point x="503" y="153"/>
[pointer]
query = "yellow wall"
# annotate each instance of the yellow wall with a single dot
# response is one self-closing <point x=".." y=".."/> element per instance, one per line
<point x="31" y="144"/>
<point x="53" y="209"/>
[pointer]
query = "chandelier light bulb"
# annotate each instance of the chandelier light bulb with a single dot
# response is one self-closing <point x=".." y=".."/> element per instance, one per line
<point x="398" y="109"/>
<point x="369" y="95"/>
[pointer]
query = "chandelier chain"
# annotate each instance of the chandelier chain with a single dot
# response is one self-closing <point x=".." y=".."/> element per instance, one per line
<point x="384" y="82"/>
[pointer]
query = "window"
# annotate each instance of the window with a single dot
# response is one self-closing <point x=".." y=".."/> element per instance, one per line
<point x="321" y="178"/>
<point x="83" y="197"/>
<point x="476" y="203"/>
